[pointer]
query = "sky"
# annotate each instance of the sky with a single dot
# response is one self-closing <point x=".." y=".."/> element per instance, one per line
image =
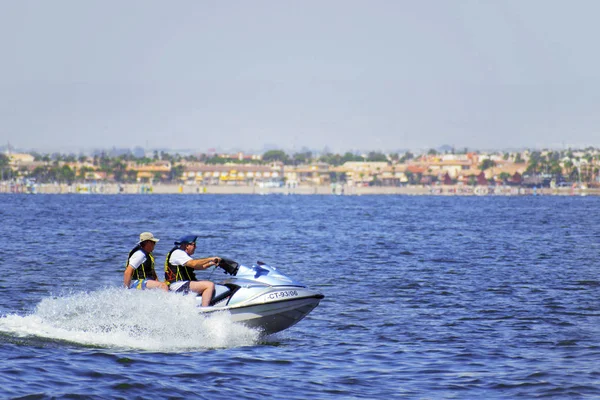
<point x="336" y="75"/>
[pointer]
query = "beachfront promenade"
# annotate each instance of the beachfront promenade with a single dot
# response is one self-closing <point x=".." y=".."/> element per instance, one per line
<point x="145" y="189"/>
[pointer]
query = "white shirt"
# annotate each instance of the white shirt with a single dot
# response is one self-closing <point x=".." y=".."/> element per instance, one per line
<point x="137" y="259"/>
<point x="179" y="257"/>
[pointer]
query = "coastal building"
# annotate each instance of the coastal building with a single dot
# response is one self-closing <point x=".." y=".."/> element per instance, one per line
<point x="230" y="174"/>
<point x="453" y="168"/>
<point x="311" y="174"/>
<point x="148" y="172"/>
<point x="361" y="173"/>
<point x="17" y="160"/>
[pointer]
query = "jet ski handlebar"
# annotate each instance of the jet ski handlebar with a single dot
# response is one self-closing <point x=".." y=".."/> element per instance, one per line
<point x="229" y="266"/>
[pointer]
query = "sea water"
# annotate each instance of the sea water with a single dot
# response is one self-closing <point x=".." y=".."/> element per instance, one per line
<point x="425" y="297"/>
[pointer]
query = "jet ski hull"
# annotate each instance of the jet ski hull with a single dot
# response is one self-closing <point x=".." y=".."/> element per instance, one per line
<point x="272" y="317"/>
<point x="262" y="297"/>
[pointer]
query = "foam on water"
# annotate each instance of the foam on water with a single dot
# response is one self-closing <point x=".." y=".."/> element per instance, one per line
<point x="149" y="320"/>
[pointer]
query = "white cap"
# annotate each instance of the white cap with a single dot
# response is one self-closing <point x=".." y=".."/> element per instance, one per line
<point x="147" y="236"/>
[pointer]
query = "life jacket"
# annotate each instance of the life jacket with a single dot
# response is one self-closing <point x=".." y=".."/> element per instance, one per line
<point x="175" y="273"/>
<point x="146" y="269"/>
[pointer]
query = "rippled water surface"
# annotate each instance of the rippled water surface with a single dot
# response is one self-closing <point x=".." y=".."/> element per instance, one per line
<point x="425" y="297"/>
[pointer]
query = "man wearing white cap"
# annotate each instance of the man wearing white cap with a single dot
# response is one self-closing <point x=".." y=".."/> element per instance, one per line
<point x="139" y="272"/>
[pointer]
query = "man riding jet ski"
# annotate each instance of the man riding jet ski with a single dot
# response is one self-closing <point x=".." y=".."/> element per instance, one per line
<point x="257" y="296"/>
<point x="180" y="269"/>
<point x="261" y="296"/>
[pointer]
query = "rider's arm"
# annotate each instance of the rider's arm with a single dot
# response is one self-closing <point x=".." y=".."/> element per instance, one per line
<point x="202" y="263"/>
<point x="127" y="276"/>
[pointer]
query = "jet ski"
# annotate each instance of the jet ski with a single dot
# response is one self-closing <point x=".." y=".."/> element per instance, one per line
<point x="260" y="296"/>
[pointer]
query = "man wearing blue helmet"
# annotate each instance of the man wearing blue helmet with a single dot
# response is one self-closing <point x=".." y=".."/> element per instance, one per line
<point x="180" y="267"/>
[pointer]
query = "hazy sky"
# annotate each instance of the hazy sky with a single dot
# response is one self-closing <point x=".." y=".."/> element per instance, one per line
<point x="347" y="75"/>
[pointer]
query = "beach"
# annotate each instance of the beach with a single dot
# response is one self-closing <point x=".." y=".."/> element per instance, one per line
<point x="416" y="190"/>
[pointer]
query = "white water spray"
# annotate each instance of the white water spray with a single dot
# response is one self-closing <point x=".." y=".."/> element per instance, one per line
<point x="149" y="320"/>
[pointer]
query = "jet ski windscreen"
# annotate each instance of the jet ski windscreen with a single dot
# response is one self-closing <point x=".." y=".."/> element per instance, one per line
<point x="229" y="266"/>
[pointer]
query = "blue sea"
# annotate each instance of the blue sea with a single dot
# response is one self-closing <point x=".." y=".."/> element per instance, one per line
<point x="425" y="298"/>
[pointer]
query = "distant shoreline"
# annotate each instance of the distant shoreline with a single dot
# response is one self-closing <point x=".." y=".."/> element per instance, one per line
<point x="415" y="190"/>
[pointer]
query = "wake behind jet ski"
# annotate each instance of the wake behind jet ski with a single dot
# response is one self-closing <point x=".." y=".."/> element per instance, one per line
<point x="261" y="296"/>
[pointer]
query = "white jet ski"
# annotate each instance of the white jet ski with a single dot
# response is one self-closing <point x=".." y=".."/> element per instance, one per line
<point x="260" y="296"/>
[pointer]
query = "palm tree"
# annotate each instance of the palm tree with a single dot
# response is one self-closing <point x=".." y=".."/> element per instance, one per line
<point x="568" y="166"/>
<point x="486" y="164"/>
<point x="534" y="163"/>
